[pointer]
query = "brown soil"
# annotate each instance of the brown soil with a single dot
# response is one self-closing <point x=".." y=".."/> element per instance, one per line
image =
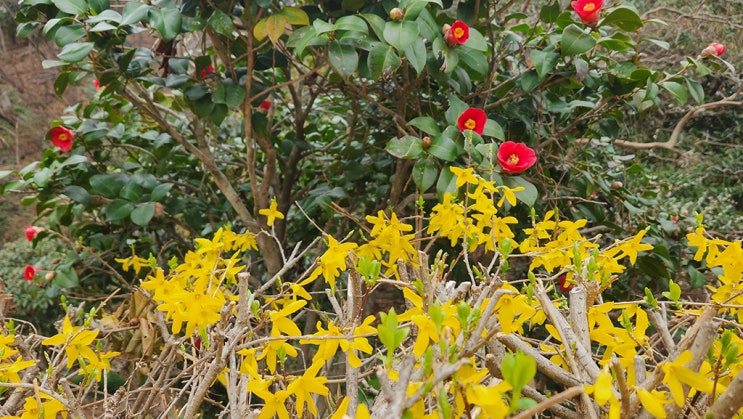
<point x="27" y="106"/>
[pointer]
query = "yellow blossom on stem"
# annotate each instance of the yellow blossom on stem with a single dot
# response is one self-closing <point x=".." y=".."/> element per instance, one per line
<point x="676" y="375"/>
<point x="76" y="341"/>
<point x="303" y="387"/>
<point x="271" y="213"/>
<point x="653" y="401"/>
<point x="333" y="261"/>
<point x="274" y="403"/>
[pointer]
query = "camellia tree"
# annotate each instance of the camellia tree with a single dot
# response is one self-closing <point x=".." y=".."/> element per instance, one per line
<point x="359" y="208"/>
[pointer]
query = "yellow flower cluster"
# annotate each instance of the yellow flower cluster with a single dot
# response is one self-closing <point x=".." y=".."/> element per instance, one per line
<point x="10" y="364"/>
<point x="192" y="293"/>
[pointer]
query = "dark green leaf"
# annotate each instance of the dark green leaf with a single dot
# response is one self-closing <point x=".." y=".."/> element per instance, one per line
<point x="425" y="124"/>
<point x="119" y="209"/>
<point x="61" y="82"/>
<point x="376" y="23"/>
<point x="72" y="7"/>
<point x="142" y="215"/>
<point x="549" y="12"/>
<point x="544" y="62"/>
<point x="493" y="129"/>
<point x="351" y="23"/>
<point x="382" y="58"/>
<point x="476" y="41"/>
<point x="401" y="34"/>
<point x="68" y="34"/>
<point x="473" y="59"/>
<point x="447" y="183"/>
<point x="676" y="90"/>
<point x="343" y="58"/>
<point x="416" y="55"/>
<point x="77" y="194"/>
<point x="131" y="192"/>
<point x="75" y="52"/>
<point x="695" y="90"/>
<point x="425" y="172"/>
<point x="229" y="93"/>
<point x="529" y="195"/>
<point x="108" y="185"/>
<point x="100" y="6"/>
<point x="134" y="12"/>
<point x="624" y="18"/>
<point x="575" y="41"/>
<point x="443" y="147"/>
<point x="160" y="191"/>
<point x="166" y="21"/>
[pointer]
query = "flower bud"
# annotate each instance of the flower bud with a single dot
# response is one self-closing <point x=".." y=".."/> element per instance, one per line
<point x="50" y="275"/>
<point x="446" y="28"/>
<point x="617" y="185"/>
<point x="397" y="13"/>
<point x="713" y="49"/>
<point x="426" y="142"/>
<point x="158" y="209"/>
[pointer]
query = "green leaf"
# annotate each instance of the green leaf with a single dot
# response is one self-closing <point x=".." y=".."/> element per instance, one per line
<point x="221" y="23"/>
<point x="443" y="147"/>
<point x="343" y="58"/>
<point x="695" y="90"/>
<point x="575" y="41"/>
<point x="401" y="34"/>
<point x="160" y="191"/>
<point x="108" y="185"/>
<point x="696" y="279"/>
<point x="529" y="80"/>
<point x="68" y="34"/>
<point x="72" y="7"/>
<point x="229" y="93"/>
<point x="624" y="18"/>
<point x="493" y="129"/>
<point x="75" y="52"/>
<point x="529" y="195"/>
<point x="100" y="6"/>
<point x="425" y="124"/>
<point x="544" y="62"/>
<point x="549" y="12"/>
<point x="77" y="194"/>
<point x="650" y="298"/>
<point x="476" y="41"/>
<point x="447" y="183"/>
<point x="295" y="16"/>
<point x="425" y="173"/>
<point x="351" y="23"/>
<point x="134" y="12"/>
<point x="61" y="83"/>
<point x="416" y="55"/>
<point x="407" y="147"/>
<point x="131" y="192"/>
<point x="676" y="90"/>
<point x="376" y="23"/>
<point x="166" y="21"/>
<point x="473" y="59"/>
<point x="119" y="209"/>
<point x="142" y="215"/>
<point x="382" y="57"/>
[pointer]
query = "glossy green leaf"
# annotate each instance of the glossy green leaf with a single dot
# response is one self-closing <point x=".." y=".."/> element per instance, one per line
<point x="475" y="60"/>
<point x="221" y="23"/>
<point x="72" y="7"/>
<point x="166" y="21"/>
<point x="549" y="12"/>
<point x="575" y="41"/>
<point x="131" y="192"/>
<point x="142" y="214"/>
<point x="382" y="58"/>
<point x="624" y="18"/>
<point x="343" y="58"/>
<point x="676" y="90"/>
<point x="351" y="23"/>
<point x="425" y="173"/>
<point x="160" y="191"/>
<point x="401" y="34"/>
<point x="68" y="34"/>
<point x="695" y="90"/>
<point x="493" y="129"/>
<point x="544" y="62"/>
<point x="476" y="41"/>
<point x="77" y="194"/>
<point x="229" y="93"/>
<point x="376" y="23"/>
<point x="108" y="185"/>
<point x="134" y="12"/>
<point x="416" y="55"/>
<point x="75" y="52"/>
<point x="407" y="147"/>
<point x="425" y="124"/>
<point x="100" y="6"/>
<point x="447" y="183"/>
<point x="119" y="209"/>
<point x="443" y="147"/>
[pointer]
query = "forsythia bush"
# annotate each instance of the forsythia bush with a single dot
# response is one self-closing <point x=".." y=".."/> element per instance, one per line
<point x="463" y="346"/>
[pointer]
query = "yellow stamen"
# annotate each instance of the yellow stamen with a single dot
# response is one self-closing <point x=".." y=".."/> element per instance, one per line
<point x="458" y="33"/>
<point x="62" y="137"/>
<point x="470" y="124"/>
<point x="513" y="159"/>
<point x="589" y="7"/>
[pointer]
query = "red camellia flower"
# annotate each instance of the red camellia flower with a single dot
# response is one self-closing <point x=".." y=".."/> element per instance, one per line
<point x="265" y="105"/>
<point x="31" y="232"/>
<point x="457" y="34"/>
<point x="473" y="119"/>
<point x="713" y="49"/>
<point x="563" y="285"/>
<point x="96" y="84"/>
<point x="30" y="272"/>
<point x="206" y="72"/>
<point x="515" y="157"/>
<point x="588" y="10"/>
<point x="61" y="137"/>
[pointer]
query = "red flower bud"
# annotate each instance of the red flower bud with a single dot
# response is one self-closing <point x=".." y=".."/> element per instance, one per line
<point x="515" y="157"/>
<point x="61" y="137"/>
<point x="473" y="119"/>
<point x="589" y="11"/>
<point x="457" y="34"/>
<point x="713" y="49"/>
<point x="158" y="209"/>
<point x="206" y="72"/>
<point x="265" y="105"/>
<point x="97" y="84"/>
<point x="30" y="272"/>
<point x="32" y="231"/>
